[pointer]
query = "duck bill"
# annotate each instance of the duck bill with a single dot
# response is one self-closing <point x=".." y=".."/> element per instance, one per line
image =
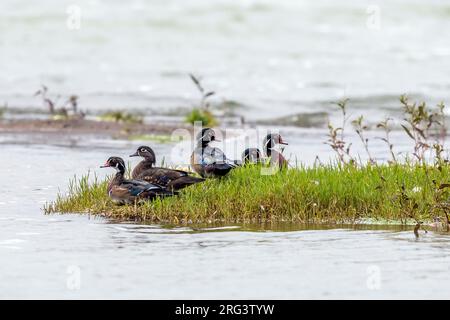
<point x="134" y="154"/>
<point x="284" y="143"/>
<point x="106" y="165"/>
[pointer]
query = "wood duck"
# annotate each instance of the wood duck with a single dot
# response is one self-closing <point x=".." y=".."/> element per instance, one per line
<point x="270" y="142"/>
<point x="209" y="162"/>
<point x="251" y="155"/>
<point x="125" y="191"/>
<point x="169" y="178"/>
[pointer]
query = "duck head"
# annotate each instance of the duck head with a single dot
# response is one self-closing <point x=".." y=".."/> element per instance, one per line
<point x="251" y="155"/>
<point x="206" y="136"/>
<point x="145" y="152"/>
<point x="116" y="163"/>
<point x="272" y="140"/>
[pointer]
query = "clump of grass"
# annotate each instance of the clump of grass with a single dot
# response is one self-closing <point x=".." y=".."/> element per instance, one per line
<point x="81" y="196"/>
<point x="320" y="194"/>
<point x="161" y="138"/>
<point x="201" y="113"/>
<point x="205" y="117"/>
<point x="122" y="117"/>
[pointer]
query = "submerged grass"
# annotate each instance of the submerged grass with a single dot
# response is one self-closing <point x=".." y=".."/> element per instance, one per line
<point x="321" y="194"/>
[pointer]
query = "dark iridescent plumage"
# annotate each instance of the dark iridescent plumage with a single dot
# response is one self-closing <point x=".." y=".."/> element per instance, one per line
<point x="269" y="144"/>
<point x="208" y="161"/>
<point x="170" y="178"/>
<point x="251" y="155"/>
<point x="125" y="191"/>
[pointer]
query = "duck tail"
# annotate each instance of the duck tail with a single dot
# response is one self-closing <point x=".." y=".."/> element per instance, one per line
<point x="184" y="182"/>
<point x="219" y="170"/>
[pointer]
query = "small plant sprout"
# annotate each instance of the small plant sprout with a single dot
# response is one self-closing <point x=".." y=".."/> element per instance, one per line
<point x="336" y="136"/>
<point x="360" y="128"/>
<point x="387" y="130"/>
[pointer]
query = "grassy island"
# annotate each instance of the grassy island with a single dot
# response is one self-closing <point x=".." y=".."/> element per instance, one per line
<point x="406" y="193"/>
<point x="410" y="191"/>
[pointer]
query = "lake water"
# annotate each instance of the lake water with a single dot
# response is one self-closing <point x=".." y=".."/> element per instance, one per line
<point x="276" y="58"/>
<point x="74" y="256"/>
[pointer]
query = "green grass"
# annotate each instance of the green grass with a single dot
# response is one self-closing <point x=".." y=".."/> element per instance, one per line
<point x="121" y="116"/>
<point x="404" y="193"/>
<point x="160" y="138"/>
<point x="204" y="116"/>
<point x="3" y="110"/>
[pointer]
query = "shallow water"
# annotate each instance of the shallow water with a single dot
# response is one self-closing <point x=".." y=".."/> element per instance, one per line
<point x="74" y="256"/>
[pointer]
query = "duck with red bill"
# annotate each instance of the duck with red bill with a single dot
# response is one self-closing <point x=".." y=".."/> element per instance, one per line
<point x="270" y="142"/>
